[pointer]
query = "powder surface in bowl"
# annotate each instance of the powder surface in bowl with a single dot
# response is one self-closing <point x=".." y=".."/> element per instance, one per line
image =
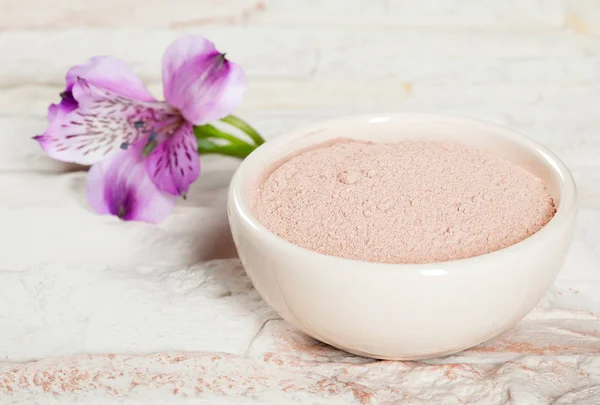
<point x="405" y="202"/>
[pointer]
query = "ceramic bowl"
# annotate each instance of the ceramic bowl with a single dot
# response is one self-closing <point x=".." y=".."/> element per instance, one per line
<point x="403" y="311"/>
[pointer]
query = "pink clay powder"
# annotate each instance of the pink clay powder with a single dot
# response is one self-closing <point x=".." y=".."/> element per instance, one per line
<point x="405" y="202"/>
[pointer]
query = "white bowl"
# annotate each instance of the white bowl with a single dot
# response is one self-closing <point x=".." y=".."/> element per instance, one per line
<point x="403" y="311"/>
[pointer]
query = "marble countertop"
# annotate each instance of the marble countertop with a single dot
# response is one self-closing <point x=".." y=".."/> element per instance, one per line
<point x="97" y="311"/>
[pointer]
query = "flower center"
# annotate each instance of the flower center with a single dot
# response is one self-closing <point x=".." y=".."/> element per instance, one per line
<point x="150" y="145"/>
<point x="157" y="129"/>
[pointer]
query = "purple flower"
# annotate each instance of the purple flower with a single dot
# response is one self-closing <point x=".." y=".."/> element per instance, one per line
<point x="143" y="151"/>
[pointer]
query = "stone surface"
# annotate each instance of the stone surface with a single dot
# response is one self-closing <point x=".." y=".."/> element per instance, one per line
<point x="97" y="311"/>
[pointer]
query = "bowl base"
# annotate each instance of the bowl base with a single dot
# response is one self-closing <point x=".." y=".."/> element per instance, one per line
<point x="400" y="358"/>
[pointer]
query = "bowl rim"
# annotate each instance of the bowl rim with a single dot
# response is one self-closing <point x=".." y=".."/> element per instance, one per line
<point x="564" y="213"/>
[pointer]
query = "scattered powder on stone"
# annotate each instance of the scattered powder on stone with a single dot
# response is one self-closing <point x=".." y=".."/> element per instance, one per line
<point x="405" y="202"/>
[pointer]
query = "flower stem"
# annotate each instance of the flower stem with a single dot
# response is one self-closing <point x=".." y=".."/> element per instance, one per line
<point x="239" y="151"/>
<point x="209" y="131"/>
<point x="244" y="126"/>
<point x="234" y="146"/>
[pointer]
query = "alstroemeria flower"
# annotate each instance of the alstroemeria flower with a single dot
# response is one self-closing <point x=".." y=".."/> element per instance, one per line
<point x="143" y="150"/>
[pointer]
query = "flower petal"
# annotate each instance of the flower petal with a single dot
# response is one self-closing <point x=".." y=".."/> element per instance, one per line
<point x="67" y="104"/>
<point x="111" y="74"/>
<point x="53" y="111"/>
<point x="102" y="124"/>
<point x="200" y="82"/>
<point x="181" y="52"/>
<point x="120" y="186"/>
<point x="175" y="164"/>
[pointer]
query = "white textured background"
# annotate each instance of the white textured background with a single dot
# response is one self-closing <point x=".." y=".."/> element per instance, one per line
<point x="96" y="311"/>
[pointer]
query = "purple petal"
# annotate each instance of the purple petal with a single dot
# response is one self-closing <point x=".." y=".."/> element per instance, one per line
<point x="102" y="124"/>
<point x="175" y="164"/>
<point x="53" y="111"/>
<point x="120" y="186"/>
<point x="66" y="105"/>
<point x="200" y="82"/>
<point x="111" y="74"/>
